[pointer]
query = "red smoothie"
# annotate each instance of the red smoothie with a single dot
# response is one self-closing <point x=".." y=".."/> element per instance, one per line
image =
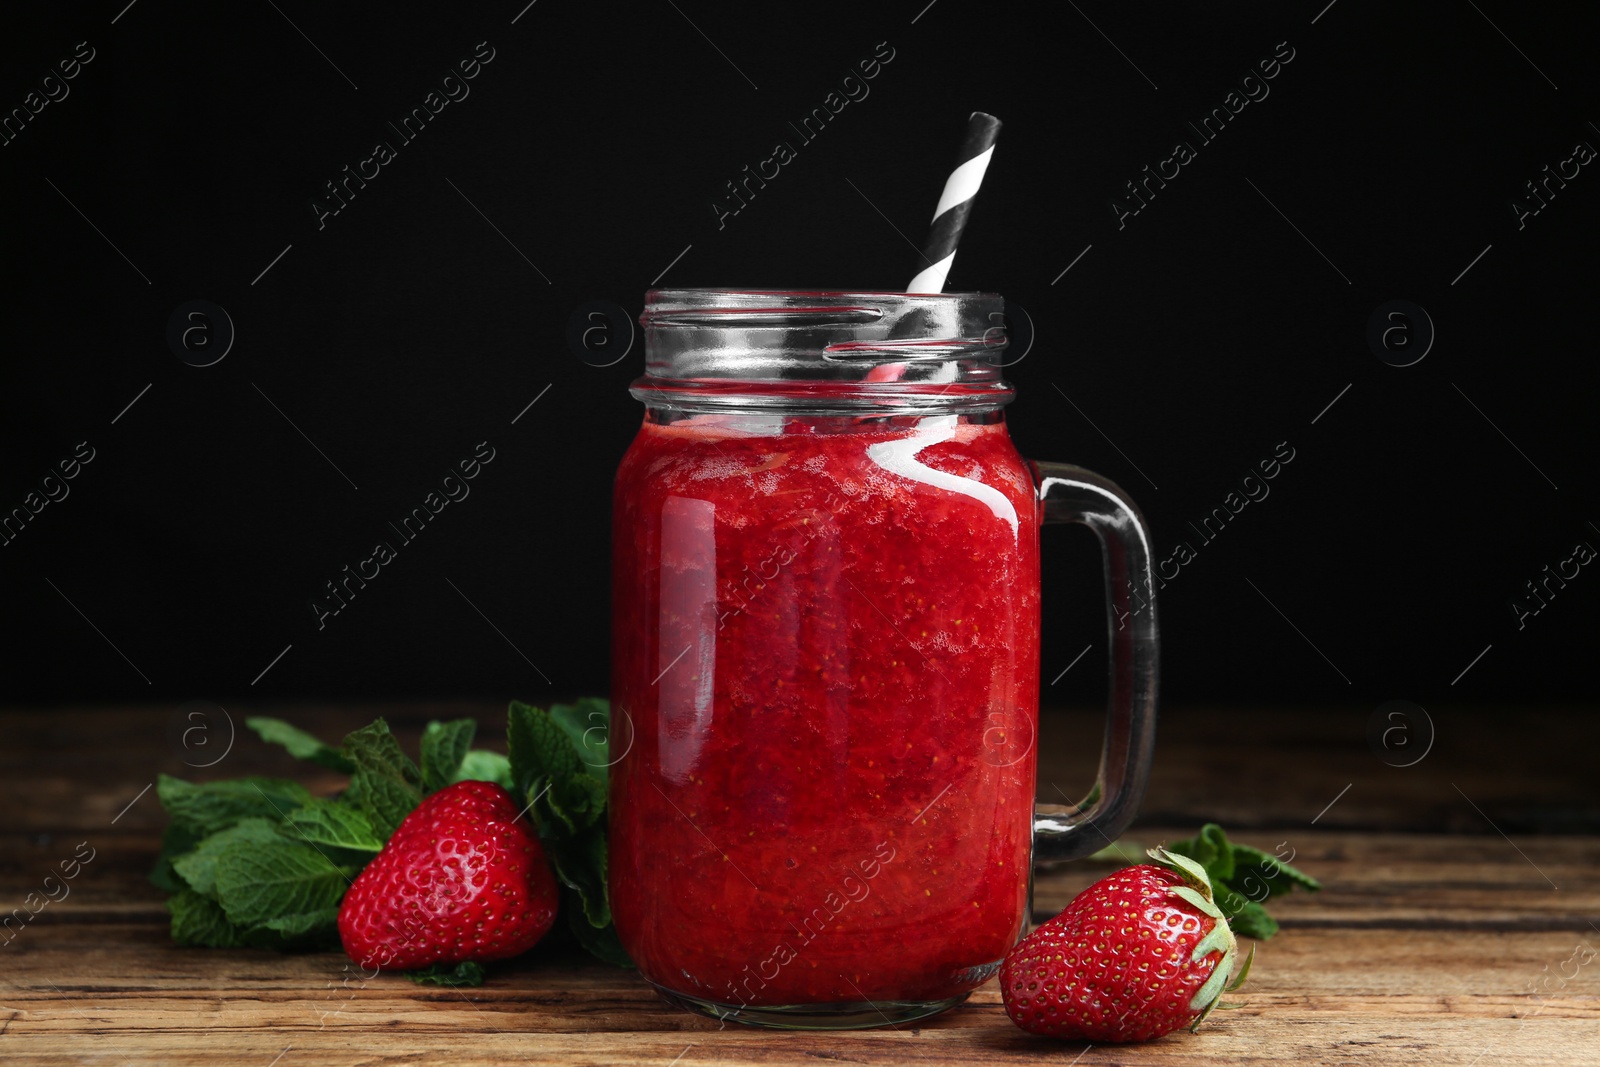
<point x="825" y="638"/>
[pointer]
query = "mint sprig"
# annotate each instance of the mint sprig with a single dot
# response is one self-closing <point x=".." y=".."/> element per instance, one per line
<point x="332" y="824"/>
<point x="198" y="868"/>
<point x="444" y="746"/>
<point x="215" y="806"/>
<point x="465" y="973"/>
<point x="281" y="886"/>
<point x="299" y="744"/>
<point x="559" y="764"/>
<point x="386" y="784"/>
<point x="199" y="920"/>
<point x="261" y="862"/>
<point x="485" y="766"/>
<point x="1243" y="879"/>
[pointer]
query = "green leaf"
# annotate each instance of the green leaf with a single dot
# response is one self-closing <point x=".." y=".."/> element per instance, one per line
<point x="466" y="973"/>
<point x="212" y="806"/>
<point x="198" y="867"/>
<point x="580" y="864"/>
<point x="539" y="749"/>
<point x="482" y="765"/>
<point x="300" y="744"/>
<point x="444" y="746"/>
<point x="375" y="747"/>
<point x="301" y="925"/>
<point x="1229" y="900"/>
<point x="386" y="803"/>
<point x="388" y="785"/>
<point x="558" y="763"/>
<point x="601" y="941"/>
<point x="1256" y="873"/>
<point x="1253" y="921"/>
<point x="1211" y="849"/>
<point x="552" y="822"/>
<point x="278" y="884"/>
<point x="578" y="801"/>
<point x="546" y="750"/>
<point x="1220" y="867"/>
<point x="199" y="920"/>
<point x="176" y="839"/>
<point x="332" y="822"/>
<point x="587" y="725"/>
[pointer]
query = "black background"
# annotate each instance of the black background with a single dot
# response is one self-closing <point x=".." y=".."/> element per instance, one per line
<point x="415" y="325"/>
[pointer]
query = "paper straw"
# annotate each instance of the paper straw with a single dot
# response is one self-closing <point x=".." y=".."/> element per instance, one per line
<point x="955" y="203"/>
<point x="949" y="219"/>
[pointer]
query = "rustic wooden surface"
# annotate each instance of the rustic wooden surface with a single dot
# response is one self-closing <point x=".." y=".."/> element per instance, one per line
<point x="1460" y="903"/>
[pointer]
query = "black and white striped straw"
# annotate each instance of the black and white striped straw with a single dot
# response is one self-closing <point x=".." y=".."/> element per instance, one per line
<point x="955" y="203"/>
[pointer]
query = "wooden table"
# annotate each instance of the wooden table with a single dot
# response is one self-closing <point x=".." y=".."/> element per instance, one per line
<point x="1456" y="927"/>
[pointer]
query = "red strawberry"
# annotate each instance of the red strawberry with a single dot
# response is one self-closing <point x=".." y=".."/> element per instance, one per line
<point x="461" y="879"/>
<point x="1133" y="957"/>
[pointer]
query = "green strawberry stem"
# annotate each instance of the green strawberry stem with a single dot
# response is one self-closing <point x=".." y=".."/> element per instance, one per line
<point x="1198" y="893"/>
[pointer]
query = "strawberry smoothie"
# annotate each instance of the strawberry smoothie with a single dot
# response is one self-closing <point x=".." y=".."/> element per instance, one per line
<point x="826" y="638"/>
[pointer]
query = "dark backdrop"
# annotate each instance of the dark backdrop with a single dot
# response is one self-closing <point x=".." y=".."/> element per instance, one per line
<point x="1175" y="349"/>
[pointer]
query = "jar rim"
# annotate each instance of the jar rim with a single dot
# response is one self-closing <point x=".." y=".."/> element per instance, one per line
<point x="650" y="294"/>
<point x="822" y="349"/>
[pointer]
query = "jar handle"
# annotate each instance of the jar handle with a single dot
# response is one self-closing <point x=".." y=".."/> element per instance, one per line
<point x="1072" y="494"/>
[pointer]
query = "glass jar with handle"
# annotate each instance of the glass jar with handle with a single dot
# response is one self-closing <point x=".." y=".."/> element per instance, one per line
<point x="826" y="643"/>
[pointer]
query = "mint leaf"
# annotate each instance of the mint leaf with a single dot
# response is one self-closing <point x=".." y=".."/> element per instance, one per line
<point x="198" y="868"/>
<point x="322" y="922"/>
<point x="1229" y="901"/>
<point x="199" y="920"/>
<point x="212" y="806"/>
<point x="552" y="823"/>
<point x="374" y="747"/>
<point x="539" y="749"/>
<point x="334" y="823"/>
<point x="558" y="764"/>
<point x="600" y="940"/>
<point x="444" y="746"/>
<point x="1221" y="865"/>
<point x="1253" y="921"/>
<point x="484" y="766"/>
<point x="300" y="744"/>
<point x="580" y="864"/>
<point x="587" y="725"/>
<point x="176" y="839"/>
<point x="466" y="973"/>
<point x="578" y="801"/>
<point x="1257" y="873"/>
<point x="545" y="763"/>
<point x="388" y="785"/>
<point x="279" y="885"/>
<point x="1211" y="849"/>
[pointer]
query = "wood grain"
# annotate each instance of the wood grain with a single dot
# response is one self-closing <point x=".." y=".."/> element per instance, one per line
<point x="1437" y="940"/>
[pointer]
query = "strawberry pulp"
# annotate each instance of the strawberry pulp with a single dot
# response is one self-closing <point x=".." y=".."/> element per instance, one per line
<point x="826" y="651"/>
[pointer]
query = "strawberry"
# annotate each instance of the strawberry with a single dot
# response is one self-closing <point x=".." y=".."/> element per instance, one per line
<point x="460" y="879"/>
<point x="1135" y="956"/>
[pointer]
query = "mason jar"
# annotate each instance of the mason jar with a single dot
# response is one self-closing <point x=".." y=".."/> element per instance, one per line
<point x="826" y="643"/>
